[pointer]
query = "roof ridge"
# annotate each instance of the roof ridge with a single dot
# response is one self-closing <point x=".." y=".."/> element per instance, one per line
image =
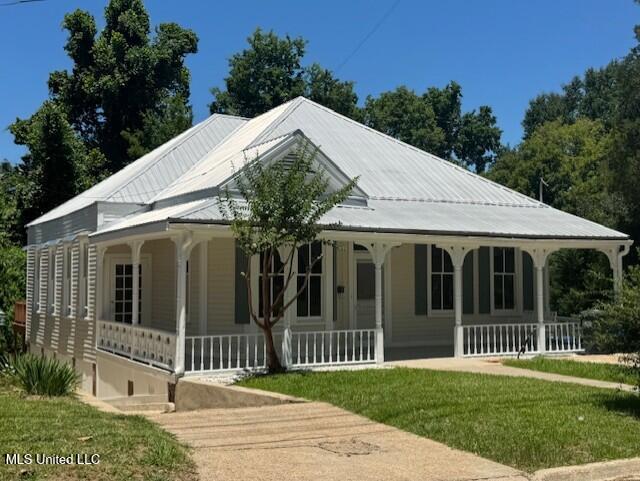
<point x="294" y="104"/>
<point x="195" y="130"/>
<point x="406" y="145"/>
<point x="539" y="205"/>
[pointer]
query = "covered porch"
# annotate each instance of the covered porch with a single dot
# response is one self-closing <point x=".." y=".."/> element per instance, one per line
<point x="375" y="297"/>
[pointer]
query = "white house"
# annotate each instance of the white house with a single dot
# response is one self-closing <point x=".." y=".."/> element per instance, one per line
<point x="136" y="282"/>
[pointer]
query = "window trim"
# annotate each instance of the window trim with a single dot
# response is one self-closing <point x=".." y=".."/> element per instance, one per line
<point x="517" y="283"/>
<point x="51" y="281"/>
<point x="147" y="285"/>
<point x="431" y="312"/>
<point x="322" y="277"/>
<point x="36" y="281"/>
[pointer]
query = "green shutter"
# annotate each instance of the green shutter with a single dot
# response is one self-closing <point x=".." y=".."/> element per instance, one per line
<point x="484" y="280"/>
<point x="527" y="282"/>
<point x="241" y="302"/>
<point x="467" y="284"/>
<point x="420" y="275"/>
<point x="335" y="283"/>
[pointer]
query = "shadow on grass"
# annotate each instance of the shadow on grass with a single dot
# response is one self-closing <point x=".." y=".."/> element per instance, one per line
<point x="627" y="404"/>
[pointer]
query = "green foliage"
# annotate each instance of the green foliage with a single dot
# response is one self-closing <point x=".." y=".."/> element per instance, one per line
<point x="434" y="122"/>
<point x="279" y="204"/>
<point x="122" y="80"/>
<point x="270" y="72"/>
<point x="617" y="326"/>
<point x="43" y="376"/>
<point x="12" y="276"/>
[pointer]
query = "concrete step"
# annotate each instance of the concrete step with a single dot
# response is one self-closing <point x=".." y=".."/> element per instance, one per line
<point x="146" y="408"/>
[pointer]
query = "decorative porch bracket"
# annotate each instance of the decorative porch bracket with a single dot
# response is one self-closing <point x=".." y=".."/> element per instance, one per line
<point x="539" y="255"/>
<point x="379" y="251"/>
<point x="615" y="255"/>
<point x="457" y="252"/>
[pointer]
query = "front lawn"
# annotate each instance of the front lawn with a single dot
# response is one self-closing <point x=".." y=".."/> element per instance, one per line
<point x="590" y="370"/>
<point x="130" y="447"/>
<point x="526" y="423"/>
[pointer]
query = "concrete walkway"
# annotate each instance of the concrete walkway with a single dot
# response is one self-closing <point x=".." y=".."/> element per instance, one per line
<point x="493" y="366"/>
<point x="312" y="441"/>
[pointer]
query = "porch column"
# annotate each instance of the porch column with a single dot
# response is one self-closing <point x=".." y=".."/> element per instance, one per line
<point x="539" y="255"/>
<point x="615" y="255"/>
<point x="457" y="254"/>
<point x="378" y="251"/>
<point x="100" y="251"/>
<point x="204" y="290"/>
<point x="136" y="247"/>
<point x="184" y="243"/>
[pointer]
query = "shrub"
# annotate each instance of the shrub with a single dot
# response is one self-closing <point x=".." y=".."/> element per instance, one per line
<point x="43" y="376"/>
<point x="616" y="327"/>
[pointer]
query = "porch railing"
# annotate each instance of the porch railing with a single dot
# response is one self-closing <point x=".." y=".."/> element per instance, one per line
<point x="326" y="348"/>
<point x="150" y="346"/>
<point x="563" y="337"/>
<point x="225" y="352"/>
<point x="499" y="339"/>
<point x="237" y="352"/>
<point x="510" y="339"/>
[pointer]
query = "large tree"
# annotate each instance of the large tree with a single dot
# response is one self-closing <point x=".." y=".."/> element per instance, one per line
<point x="570" y="158"/>
<point x="270" y="72"/>
<point x="434" y="122"/>
<point x="274" y="210"/>
<point x="124" y="81"/>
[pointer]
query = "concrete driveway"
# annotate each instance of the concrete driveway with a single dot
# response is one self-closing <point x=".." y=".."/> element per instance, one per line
<point x="316" y="441"/>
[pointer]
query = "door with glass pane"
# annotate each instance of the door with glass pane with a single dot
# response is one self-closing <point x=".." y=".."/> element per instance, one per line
<point x="121" y="292"/>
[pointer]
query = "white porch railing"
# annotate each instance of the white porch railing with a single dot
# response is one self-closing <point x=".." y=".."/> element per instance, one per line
<point x="232" y="352"/>
<point x="329" y="348"/>
<point x="498" y="339"/>
<point x="563" y="337"/>
<point x="236" y="352"/>
<point x="510" y="339"/>
<point x="150" y="346"/>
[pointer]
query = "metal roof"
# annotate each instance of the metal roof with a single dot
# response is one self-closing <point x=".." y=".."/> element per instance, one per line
<point x="405" y="188"/>
<point x="141" y="180"/>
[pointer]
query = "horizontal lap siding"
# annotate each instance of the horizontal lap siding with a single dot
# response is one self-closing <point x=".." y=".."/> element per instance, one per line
<point x="221" y="288"/>
<point x="163" y="283"/>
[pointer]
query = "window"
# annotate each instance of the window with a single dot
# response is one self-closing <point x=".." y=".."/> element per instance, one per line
<point x="123" y="302"/>
<point x="310" y="300"/>
<point x="504" y="275"/>
<point x="67" y="280"/>
<point x="276" y="283"/>
<point x="441" y="280"/>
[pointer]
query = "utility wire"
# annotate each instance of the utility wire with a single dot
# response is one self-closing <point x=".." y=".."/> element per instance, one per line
<point x="18" y="2"/>
<point x="368" y="35"/>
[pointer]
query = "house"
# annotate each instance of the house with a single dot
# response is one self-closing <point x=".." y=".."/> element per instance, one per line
<point x="137" y="281"/>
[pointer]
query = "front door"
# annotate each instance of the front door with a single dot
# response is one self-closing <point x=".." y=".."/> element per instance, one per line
<point x="121" y="289"/>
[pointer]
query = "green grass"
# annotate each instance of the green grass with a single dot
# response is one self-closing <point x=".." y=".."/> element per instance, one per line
<point x="526" y="423"/>
<point x="130" y="447"/>
<point x="590" y="370"/>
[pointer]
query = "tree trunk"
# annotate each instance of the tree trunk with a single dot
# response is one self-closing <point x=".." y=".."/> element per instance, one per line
<point x="272" y="361"/>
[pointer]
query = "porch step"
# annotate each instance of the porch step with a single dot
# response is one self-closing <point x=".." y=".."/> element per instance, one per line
<point x="146" y="404"/>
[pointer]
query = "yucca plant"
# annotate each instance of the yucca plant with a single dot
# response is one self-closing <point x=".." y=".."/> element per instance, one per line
<point x="44" y="376"/>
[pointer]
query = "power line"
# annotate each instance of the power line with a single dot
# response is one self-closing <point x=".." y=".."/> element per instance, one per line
<point x="368" y="35"/>
<point x="18" y="2"/>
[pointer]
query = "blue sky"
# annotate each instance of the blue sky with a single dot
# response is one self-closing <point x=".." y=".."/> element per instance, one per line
<point x="502" y="52"/>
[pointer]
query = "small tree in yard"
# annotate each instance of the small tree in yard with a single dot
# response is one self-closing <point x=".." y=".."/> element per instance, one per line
<point x="276" y="209"/>
<point x="616" y="328"/>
